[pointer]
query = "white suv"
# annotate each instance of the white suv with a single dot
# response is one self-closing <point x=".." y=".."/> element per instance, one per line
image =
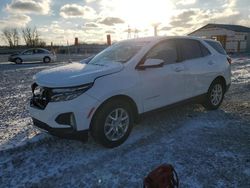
<point x="106" y="95"/>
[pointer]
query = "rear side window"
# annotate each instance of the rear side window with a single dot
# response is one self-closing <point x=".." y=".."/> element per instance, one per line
<point x="40" y="51"/>
<point x="190" y="49"/>
<point x="217" y="46"/>
<point x="204" y="50"/>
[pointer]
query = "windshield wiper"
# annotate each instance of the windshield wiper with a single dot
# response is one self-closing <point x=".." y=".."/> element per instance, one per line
<point x="122" y="61"/>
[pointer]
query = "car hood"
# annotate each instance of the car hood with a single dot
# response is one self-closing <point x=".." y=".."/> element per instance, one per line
<point x="75" y="74"/>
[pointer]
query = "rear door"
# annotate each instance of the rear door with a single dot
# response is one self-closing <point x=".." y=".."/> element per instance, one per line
<point x="40" y="54"/>
<point x="161" y="86"/>
<point x="199" y="66"/>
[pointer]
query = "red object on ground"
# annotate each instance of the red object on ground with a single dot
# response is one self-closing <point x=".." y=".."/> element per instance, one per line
<point x="163" y="176"/>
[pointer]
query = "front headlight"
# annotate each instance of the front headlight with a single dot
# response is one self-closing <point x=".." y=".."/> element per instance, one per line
<point x="38" y="90"/>
<point x="69" y="93"/>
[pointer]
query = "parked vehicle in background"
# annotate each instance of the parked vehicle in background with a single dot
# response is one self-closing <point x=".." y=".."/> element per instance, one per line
<point x="34" y="54"/>
<point x="107" y="94"/>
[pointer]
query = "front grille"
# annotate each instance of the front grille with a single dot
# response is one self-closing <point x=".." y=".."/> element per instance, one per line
<point x="41" y="98"/>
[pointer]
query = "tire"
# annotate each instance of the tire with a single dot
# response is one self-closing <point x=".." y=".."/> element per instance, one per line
<point x="46" y="59"/>
<point x="112" y="123"/>
<point x="18" y="61"/>
<point x="215" y="95"/>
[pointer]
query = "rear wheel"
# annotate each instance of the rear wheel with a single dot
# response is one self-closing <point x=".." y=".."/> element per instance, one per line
<point x="112" y="123"/>
<point x="215" y="95"/>
<point x="46" y="59"/>
<point x="18" y="61"/>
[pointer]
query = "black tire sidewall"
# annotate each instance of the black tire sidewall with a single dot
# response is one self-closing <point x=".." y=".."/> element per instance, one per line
<point x="97" y="128"/>
<point x="44" y="59"/>
<point x="19" y="60"/>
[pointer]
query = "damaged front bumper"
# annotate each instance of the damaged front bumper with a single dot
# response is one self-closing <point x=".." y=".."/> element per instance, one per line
<point x="68" y="133"/>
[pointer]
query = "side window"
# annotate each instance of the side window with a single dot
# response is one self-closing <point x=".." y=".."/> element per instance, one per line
<point x="190" y="49"/>
<point x="165" y="50"/>
<point x="28" y="52"/>
<point x="204" y="50"/>
<point x="39" y="51"/>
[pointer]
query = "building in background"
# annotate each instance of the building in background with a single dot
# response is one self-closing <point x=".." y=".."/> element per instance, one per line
<point x="234" y="38"/>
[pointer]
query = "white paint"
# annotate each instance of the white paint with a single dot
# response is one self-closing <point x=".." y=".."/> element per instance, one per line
<point x="150" y="88"/>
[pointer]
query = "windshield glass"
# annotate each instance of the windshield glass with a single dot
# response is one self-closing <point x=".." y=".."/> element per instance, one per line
<point x="119" y="52"/>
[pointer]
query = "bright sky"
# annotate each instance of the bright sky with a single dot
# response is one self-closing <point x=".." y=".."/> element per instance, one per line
<point x="92" y="20"/>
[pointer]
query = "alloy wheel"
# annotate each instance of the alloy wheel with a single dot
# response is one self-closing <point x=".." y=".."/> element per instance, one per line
<point x="116" y="124"/>
<point x="216" y="94"/>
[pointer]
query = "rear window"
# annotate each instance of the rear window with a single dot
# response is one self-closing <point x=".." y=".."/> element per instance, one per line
<point x="217" y="46"/>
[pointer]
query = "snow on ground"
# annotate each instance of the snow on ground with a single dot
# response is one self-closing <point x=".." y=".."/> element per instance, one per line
<point x="207" y="148"/>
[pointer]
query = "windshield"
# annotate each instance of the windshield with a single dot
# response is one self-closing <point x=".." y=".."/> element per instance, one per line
<point x="119" y="52"/>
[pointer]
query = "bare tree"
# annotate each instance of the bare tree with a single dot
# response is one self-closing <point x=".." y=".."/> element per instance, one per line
<point x="15" y="36"/>
<point x="26" y="32"/>
<point x="11" y="36"/>
<point x="31" y="37"/>
<point x="42" y="43"/>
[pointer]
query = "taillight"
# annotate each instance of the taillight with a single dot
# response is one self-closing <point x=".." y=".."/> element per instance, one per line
<point x="229" y="60"/>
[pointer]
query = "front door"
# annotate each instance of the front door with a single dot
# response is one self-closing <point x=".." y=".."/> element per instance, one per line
<point x="161" y="86"/>
<point x="27" y="55"/>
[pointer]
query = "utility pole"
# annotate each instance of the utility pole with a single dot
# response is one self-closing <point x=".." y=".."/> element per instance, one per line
<point x="136" y="33"/>
<point x="155" y="28"/>
<point x="129" y="32"/>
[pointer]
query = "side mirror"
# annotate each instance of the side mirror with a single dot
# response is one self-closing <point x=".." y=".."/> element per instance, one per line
<point x="151" y="63"/>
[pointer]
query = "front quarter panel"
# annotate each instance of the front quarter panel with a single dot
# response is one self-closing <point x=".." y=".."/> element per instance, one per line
<point x="121" y="83"/>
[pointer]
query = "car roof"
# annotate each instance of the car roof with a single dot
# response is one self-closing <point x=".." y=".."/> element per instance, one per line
<point x="211" y="40"/>
<point x="35" y="49"/>
<point x="159" y="38"/>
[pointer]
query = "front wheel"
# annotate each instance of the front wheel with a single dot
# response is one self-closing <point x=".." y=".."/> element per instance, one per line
<point x="112" y="123"/>
<point x="214" y="95"/>
<point x="18" y="60"/>
<point x="46" y="59"/>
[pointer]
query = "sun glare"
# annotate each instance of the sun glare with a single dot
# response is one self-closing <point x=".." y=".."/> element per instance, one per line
<point x="141" y="14"/>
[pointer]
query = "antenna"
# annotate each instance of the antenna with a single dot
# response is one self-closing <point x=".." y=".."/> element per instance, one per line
<point x="155" y="25"/>
<point x="136" y="33"/>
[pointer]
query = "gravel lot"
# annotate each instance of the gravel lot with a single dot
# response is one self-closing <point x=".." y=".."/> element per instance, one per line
<point x="207" y="148"/>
